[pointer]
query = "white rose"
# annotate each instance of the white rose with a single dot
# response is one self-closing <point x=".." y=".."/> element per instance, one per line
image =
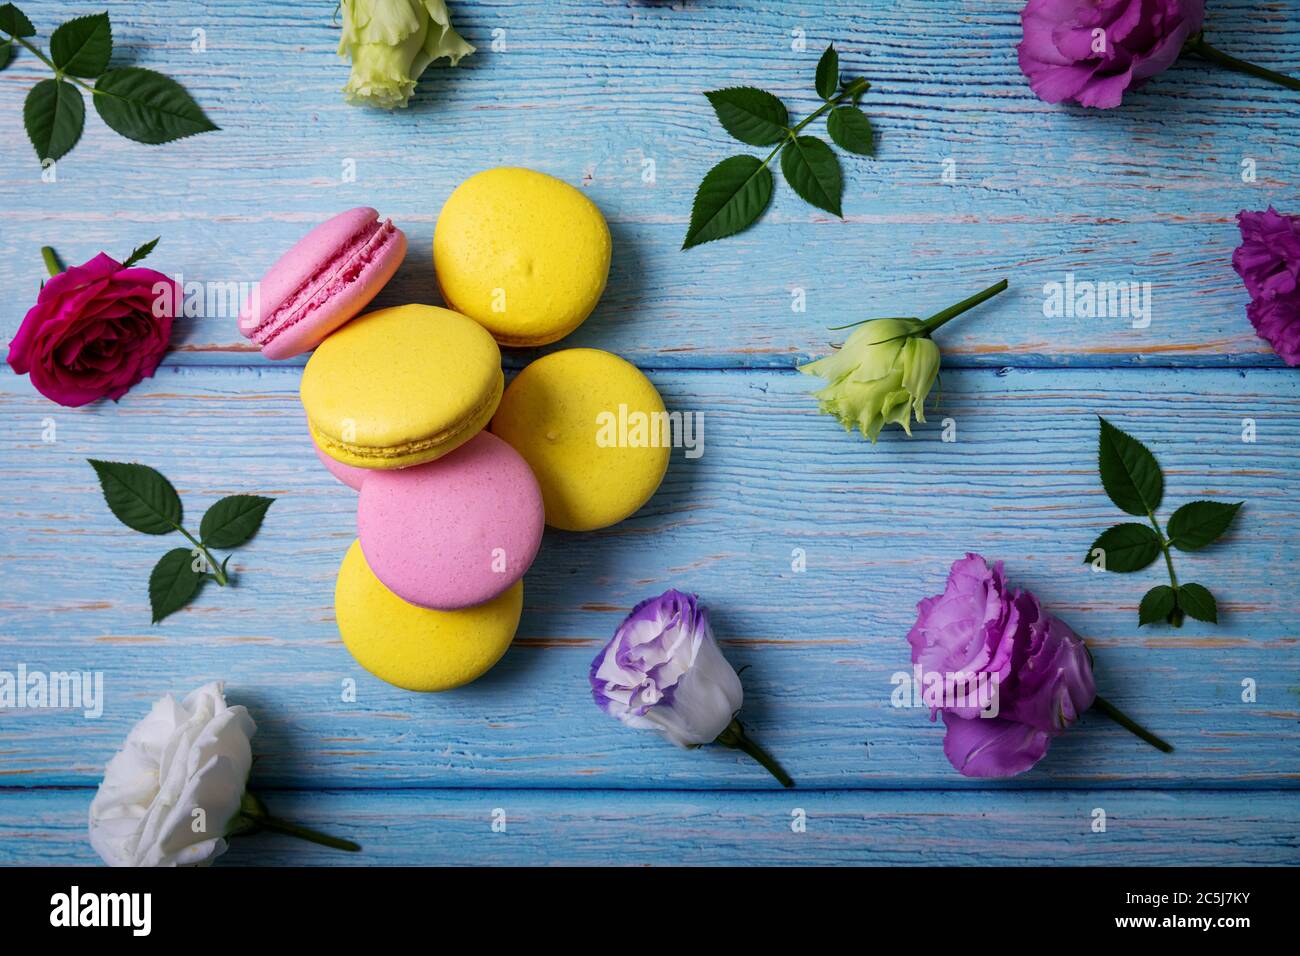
<point x="183" y="758"/>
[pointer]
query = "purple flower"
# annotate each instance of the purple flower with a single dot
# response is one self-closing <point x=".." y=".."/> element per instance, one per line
<point x="1277" y="320"/>
<point x="663" y="671"/>
<point x="1091" y="51"/>
<point x="1039" y="669"/>
<point x="1268" y="261"/>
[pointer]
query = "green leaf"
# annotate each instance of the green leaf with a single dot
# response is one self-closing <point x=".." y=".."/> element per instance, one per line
<point x="233" y="520"/>
<point x="81" y="47"/>
<point x="173" y="582"/>
<point x="6" y="53"/>
<point x="851" y="130"/>
<point x="1129" y="472"/>
<point x="141" y="498"/>
<point x="1198" y="602"/>
<point x="751" y="116"/>
<point x="1198" y="523"/>
<point x="54" y="115"/>
<point x="1128" y="547"/>
<point x="811" y="169"/>
<point x="14" y="23"/>
<point x="733" y="195"/>
<point x="1157" y="605"/>
<point x="139" y="252"/>
<point x="148" y="107"/>
<point x="828" y="73"/>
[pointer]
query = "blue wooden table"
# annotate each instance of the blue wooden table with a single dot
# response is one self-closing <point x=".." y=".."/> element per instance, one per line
<point x="597" y="93"/>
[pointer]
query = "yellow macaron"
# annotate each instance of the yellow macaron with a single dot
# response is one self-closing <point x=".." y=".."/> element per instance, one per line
<point x="523" y="253"/>
<point x="418" y="648"/>
<point x="591" y="427"/>
<point x="401" y="386"/>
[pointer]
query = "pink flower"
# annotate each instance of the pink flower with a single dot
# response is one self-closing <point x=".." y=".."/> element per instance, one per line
<point x="1091" y="52"/>
<point x="94" y="332"/>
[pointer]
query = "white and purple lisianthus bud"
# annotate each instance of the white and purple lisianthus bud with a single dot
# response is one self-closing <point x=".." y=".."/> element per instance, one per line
<point x="663" y="671"/>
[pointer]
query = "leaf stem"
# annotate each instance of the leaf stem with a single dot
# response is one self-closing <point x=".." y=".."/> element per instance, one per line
<point x="734" y="736"/>
<point x="253" y="816"/>
<point x="1198" y="46"/>
<point x="58" y="73"/>
<point x="218" y="574"/>
<point x="847" y="93"/>
<point x="52" y="264"/>
<point x="1176" y="615"/>
<point x="1121" y="718"/>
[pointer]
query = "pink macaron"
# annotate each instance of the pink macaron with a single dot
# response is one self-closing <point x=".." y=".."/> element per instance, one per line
<point x="327" y="278"/>
<point x="350" y="475"/>
<point x="454" y="532"/>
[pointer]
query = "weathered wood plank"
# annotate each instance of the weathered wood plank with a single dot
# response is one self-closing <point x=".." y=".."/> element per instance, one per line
<point x="617" y="828"/>
<point x="589" y="92"/>
<point x="879" y="527"/>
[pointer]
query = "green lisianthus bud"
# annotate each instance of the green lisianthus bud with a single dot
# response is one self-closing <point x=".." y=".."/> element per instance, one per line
<point x="882" y="374"/>
<point x="390" y="42"/>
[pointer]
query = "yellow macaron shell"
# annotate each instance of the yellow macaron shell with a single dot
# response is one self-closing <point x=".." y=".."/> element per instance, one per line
<point x="401" y="386"/>
<point x="523" y="253"/>
<point x="417" y="648"/>
<point x="557" y="414"/>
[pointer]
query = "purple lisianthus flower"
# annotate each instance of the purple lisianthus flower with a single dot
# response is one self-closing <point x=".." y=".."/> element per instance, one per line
<point x="1091" y="52"/>
<point x="1268" y="261"/>
<point x="664" y="671"/>
<point x="1040" y="669"/>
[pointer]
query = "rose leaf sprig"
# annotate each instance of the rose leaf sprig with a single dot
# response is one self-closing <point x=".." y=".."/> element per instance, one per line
<point x="143" y="500"/>
<point x="663" y="671"/>
<point x="1133" y="480"/>
<point x="737" y="190"/>
<point x="140" y="104"/>
<point x="885" y="369"/>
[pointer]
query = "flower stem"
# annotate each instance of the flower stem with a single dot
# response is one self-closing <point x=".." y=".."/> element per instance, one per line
<point x="734" y="736"/>
<point x="52" y="264"/>
<point x="253" y="816"/>
<point x="306" y="833"/>
<point x="1198" y="46"/>
<point x="1117" y="715"/>
<point x="939" y="318"/>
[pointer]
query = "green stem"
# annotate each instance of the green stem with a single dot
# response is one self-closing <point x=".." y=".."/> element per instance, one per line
<point x="1176" y="615"/>
<point x="939" y="318"/>
<point x="849" y="92"/>
<point x="217" y="574"/>
<point x="252" y="817"/>
<point x="734" y="736"/>
<point x="1198" y="46"/>
<point x="59" y="74"/>
<point x="306" y="833"/>
<point x="52" y="264"/>
<point x="1121" y="718"/>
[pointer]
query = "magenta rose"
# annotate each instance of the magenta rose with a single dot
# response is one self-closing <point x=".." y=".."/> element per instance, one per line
<point x="1091" y="52"/>
<point x="1268" y="261"/>
<point x="1040" y="672"/>
<point x="95" y="331"/>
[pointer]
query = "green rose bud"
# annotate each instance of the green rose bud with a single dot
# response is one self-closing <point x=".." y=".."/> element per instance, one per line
<point x="882" y="374"/>
<point x="390" y="42"/>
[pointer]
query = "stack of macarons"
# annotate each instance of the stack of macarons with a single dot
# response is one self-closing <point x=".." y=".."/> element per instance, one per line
<point x="456" y="474"/>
